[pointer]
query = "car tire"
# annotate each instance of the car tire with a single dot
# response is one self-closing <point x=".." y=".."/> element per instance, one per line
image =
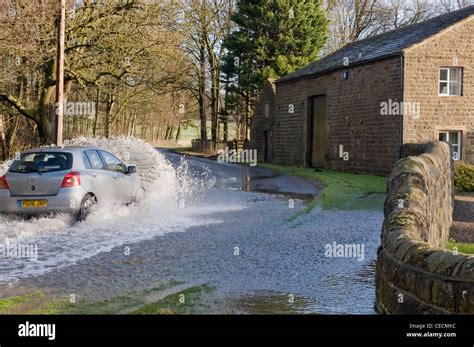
<point x="139" y="194"/>
<point x="87" y="202"/>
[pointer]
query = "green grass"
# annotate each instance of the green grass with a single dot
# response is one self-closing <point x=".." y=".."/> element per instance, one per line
<point x="118" y="304"/>
<point x="140" y="302"/>
<point x="39" y="303"/>
<point x="342" y="190"/>
<point x="192" y="131"/>
<point x="466" y="248"/>
<point x="14" y="303"/>
<point x="189" y="301"/>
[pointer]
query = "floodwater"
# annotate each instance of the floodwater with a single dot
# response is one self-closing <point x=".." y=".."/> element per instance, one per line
<point x="228" y="225"/>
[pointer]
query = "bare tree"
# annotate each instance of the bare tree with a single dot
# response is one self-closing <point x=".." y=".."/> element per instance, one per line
<point x="108" y="46"/>
<point x="452" y="5"/>
<point x="207" y="24"/>
<point x="393" y="14"/>
<point x="351" y="20"/>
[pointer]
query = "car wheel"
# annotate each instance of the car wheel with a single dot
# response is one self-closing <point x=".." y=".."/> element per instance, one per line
<point x="139" y="194"/>
<point x="86" y="204"/>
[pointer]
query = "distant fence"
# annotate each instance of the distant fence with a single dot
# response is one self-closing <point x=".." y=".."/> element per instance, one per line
<point x="212" y="147"/>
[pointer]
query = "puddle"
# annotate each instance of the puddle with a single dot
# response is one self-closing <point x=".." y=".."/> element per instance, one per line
<point x="267" y="302"/>
<point x="278" y="184"/>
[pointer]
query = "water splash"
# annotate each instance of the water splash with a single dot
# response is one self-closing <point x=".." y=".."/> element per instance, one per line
<point x="61" y="242"/>
<point x="156" y="173"/>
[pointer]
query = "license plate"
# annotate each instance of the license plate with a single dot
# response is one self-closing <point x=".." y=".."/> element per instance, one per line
<point x="32" y="203"/>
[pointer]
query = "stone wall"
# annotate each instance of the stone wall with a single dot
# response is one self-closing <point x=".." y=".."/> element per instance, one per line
<point x="353" y="118"/>
<point x="415" y="274"/>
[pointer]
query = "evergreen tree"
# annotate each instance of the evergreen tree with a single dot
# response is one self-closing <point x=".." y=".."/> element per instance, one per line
<point x="276" y="37"/>
<point x="272" y="38"/>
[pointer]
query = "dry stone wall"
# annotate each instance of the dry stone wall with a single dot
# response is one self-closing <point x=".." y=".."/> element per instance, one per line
<point x="415" y="273"/>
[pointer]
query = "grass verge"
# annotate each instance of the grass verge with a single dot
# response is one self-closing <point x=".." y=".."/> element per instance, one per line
<point x="342" y="190"/>
<point x="462" y="247"/>
<point x="19" y="303"/>
<point x="149" y="301"/>
<point x="189" y="301"/>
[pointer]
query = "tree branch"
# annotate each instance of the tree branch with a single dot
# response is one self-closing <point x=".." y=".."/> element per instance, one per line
<point x="17" y="104"/>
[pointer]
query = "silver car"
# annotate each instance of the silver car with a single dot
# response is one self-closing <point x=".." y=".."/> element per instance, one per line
<point x="66" y="180"/>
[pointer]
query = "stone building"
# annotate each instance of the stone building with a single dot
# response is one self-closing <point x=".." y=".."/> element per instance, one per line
<point x="354" y="109"/>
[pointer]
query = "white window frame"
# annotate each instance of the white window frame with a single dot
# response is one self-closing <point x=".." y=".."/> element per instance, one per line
<point x="448" y="80"/>
<point x="457" y="154"/>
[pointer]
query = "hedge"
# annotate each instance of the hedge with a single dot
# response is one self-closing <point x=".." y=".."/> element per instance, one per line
<point x="463" y="176"/>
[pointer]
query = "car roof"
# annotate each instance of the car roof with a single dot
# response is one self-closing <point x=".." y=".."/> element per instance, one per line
<point x="60" y="149"/>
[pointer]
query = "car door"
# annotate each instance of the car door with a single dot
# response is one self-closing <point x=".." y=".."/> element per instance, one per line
<point x="98" y="176"/>
<point x="120" y="180"/>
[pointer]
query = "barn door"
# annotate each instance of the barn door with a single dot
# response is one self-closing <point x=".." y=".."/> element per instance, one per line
<point x="266" y="145"/>
<point x="318" y="131"/>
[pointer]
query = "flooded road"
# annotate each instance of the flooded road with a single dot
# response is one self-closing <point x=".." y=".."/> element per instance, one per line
<point x="241" y="232"/>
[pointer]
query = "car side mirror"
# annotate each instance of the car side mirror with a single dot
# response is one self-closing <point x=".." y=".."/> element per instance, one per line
<point x="131" y="169"/>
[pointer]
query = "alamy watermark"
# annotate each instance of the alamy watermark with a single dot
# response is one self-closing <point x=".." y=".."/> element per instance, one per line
<point x="400" y="108"/>
<point x="343" y="154"/>
<point x="37" y="330"/>
<point x="245" y="156"/>
<point x="18" y="250"/>
<point x="346" y="250"/>
<point x="78" y="108"/>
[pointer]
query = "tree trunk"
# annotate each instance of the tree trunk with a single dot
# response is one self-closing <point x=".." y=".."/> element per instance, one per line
<point x="217" y="103"/>
<point x="45" y="128"/>
<point x="108" y="115"/>
<point x="214" y="97"/>
<point x="3" y="140"/>
<point x="44" y="121"/>
<point x="178" y="132"/>
<point x="202" y="89"/>
<point x="12" y="133"/>
<point x="74" y="126"/>
<point x="226" y="128"/>
<point x="131" y="130"/>
<point x="96" y="115"/>
<point x="247" y="114"/>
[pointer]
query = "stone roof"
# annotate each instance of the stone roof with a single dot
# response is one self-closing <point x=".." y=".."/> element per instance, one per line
<point x="381" y="46"/>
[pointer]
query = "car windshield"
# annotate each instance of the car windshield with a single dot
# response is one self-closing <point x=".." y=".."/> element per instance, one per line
<point x="42" y="162"/>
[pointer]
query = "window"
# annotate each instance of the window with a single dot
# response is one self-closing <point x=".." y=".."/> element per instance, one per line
<point x="450" y="81"/>
<point x="42" y="162"/>
<point x="112" y="162"/>
<point x="267" y="110"/>
<point x="454" y="138"/>
<point x="94" y="159"/>
<point x="86" y="161"/>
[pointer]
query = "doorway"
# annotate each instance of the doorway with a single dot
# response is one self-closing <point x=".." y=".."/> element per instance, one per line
<point x="267" y="146"/>
<point x="316" y="144"/>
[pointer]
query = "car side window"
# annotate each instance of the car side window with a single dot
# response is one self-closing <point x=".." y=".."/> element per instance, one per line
<point x="112" y="162"/>
<point x="86" y="161"/>
<point x="94" y="159"/>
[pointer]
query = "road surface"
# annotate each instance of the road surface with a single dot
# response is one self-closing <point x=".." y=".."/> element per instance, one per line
<point x="239" y="235"/>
